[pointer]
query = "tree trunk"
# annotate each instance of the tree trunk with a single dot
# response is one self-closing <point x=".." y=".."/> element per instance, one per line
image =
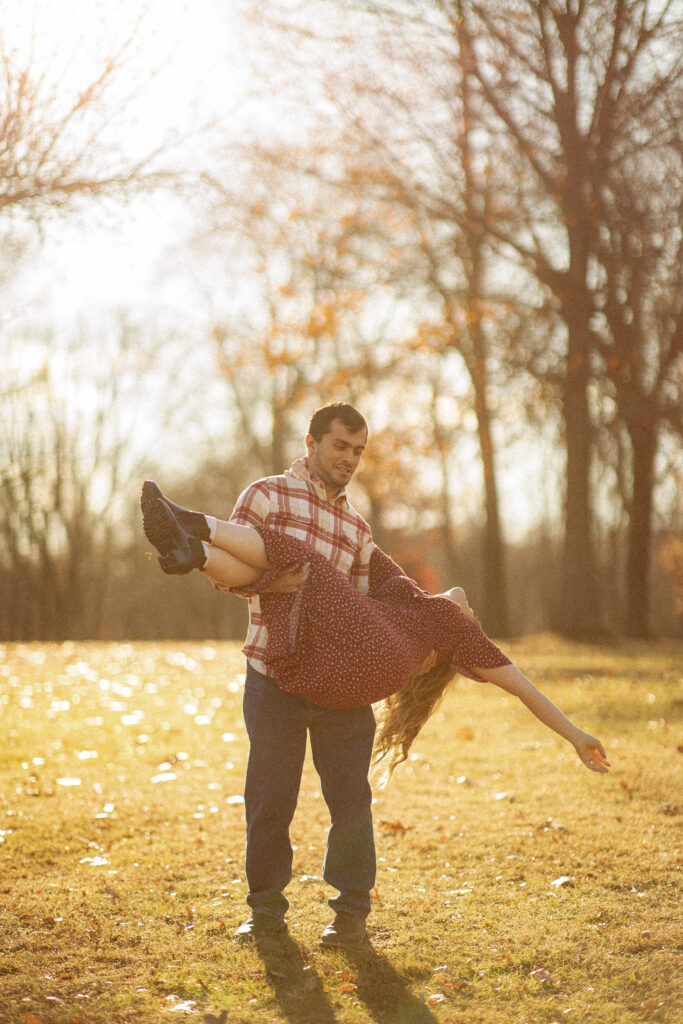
<point x="495" y="614"/>
<point x="580" y="603"/>
<point x="643" y="437"/>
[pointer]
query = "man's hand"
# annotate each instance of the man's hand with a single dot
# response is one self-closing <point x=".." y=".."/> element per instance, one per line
<point x="288" y="582"/>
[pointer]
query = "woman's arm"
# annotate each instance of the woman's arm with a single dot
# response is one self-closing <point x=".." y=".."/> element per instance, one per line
<point x="510" y="679"/>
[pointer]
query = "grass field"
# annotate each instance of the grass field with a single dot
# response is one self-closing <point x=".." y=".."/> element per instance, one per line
<point x="513" y="885"/>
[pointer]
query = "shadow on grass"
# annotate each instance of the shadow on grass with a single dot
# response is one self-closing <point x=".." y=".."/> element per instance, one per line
<point x="385" y="992"/>
<point x="299" y="990"/>
<point x="296" y="986"/>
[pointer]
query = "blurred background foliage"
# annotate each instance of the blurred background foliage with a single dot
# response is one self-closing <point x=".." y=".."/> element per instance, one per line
<point x="464" y="218"/>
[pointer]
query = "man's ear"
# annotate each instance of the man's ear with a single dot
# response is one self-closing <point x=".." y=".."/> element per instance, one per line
<point x="310" y="442"/>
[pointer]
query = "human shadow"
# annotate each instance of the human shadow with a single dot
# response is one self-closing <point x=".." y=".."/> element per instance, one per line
<point x="295" y="983"/>
<point x="299" y="990"/>
<point x="385" y="992"/>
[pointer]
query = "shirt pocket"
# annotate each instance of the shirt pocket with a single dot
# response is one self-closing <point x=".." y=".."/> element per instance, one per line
<point x="293" y="523"/>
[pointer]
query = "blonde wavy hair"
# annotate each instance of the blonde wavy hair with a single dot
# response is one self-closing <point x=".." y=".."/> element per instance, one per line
<point x="404" y="713"/>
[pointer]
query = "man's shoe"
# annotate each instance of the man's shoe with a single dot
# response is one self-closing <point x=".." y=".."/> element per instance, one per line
<point x="181" y="552"/>
<point x="260" y="926"/>
<point x="194" y="522"/>
<point x="345" y="930"/>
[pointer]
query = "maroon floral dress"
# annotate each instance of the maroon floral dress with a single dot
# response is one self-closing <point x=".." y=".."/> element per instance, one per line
<point x="340" y="648"/>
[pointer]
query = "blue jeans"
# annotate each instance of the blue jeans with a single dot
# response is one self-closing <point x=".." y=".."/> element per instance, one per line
<point x="341" y="745"/>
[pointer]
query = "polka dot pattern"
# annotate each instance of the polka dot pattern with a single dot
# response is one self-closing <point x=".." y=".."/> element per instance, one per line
<point x="340" y="648"/>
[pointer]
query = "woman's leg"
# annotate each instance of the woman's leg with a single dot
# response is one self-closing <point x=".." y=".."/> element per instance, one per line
<point x="225" y="568"/>
<point x="243" y="542"/>
<point x="236" y="556"/>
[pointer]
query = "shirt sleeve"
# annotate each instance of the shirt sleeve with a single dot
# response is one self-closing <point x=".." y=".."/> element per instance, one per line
<point x="252" y="506"/>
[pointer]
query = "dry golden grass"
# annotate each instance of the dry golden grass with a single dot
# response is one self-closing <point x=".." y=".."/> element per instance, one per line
<point x="513" y="885"/>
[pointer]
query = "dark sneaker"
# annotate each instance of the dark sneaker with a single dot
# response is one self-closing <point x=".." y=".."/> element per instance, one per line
<point x="194" y="522"/>
<point x="260" y="926"/>
<point x="181" y="552"/>
<point x="345" y="930"/>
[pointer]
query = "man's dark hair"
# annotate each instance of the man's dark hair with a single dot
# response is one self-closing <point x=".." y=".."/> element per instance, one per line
<point x="321" y="420"/>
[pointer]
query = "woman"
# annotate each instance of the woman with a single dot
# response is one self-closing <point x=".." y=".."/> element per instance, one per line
<point x="340" y="648"/>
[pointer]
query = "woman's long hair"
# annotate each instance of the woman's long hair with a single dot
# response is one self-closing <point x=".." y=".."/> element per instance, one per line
<point x="405" y="712"/>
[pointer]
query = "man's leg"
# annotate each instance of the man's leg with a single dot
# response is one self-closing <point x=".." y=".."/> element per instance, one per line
<point x="341" y="742"/>
<point x="277" y="725"/>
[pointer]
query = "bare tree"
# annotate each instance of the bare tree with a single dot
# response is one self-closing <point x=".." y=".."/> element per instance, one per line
<point x="72" y="423"/>
<point x="527" y="123"/>
<point x="293" y="330"/>
<point x="589" y="98"/>
<point x="63" y="134"/>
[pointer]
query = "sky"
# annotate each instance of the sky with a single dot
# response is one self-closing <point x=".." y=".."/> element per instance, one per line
<point x="198" y="52"/>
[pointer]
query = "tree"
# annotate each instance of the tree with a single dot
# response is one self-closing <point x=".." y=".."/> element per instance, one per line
<point x="62" y="134"/>
<point x="544" y="109"/>
<point x="71" y="421"/>
<point x="638" y="334"/>
<point x="589" y="98"/>
<point x="293" y="331"/>
<point x="403" y="137"/>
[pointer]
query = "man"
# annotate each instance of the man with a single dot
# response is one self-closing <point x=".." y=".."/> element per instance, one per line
<point x="309" y="502"/>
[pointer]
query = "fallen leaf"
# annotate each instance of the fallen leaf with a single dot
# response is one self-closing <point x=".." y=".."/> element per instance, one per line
<point x="346" y="986"/>
<point x="435" y="999"/>
<point x="553" y="826"/>
<point x="395" y="826"/>
<point x="568" y="880"/>
<point x="183" y="1007"/>
<point x="465" y="733"/>
<point x="650" y="1006"/>
<point x="347" y="976"/>
<point x="30" y="1019"/>
<point x="542" y="975"/>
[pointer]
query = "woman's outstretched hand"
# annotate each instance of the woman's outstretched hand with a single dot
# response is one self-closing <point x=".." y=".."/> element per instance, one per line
<point x="592" y="753"/>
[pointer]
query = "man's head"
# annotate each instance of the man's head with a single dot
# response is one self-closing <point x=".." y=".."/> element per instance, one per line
<point x="336" y="437"/>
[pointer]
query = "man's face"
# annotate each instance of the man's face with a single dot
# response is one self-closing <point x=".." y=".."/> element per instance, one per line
<point x="336" y="455"/>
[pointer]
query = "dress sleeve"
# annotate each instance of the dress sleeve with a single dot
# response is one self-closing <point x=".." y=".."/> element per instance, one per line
<point x="360" y="570"/>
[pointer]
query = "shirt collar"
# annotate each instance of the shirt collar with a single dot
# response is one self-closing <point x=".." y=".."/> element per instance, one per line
<point x="301" y="470"/>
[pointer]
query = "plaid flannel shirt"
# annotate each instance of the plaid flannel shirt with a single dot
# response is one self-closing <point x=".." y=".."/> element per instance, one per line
<point x="296" y="503"/>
